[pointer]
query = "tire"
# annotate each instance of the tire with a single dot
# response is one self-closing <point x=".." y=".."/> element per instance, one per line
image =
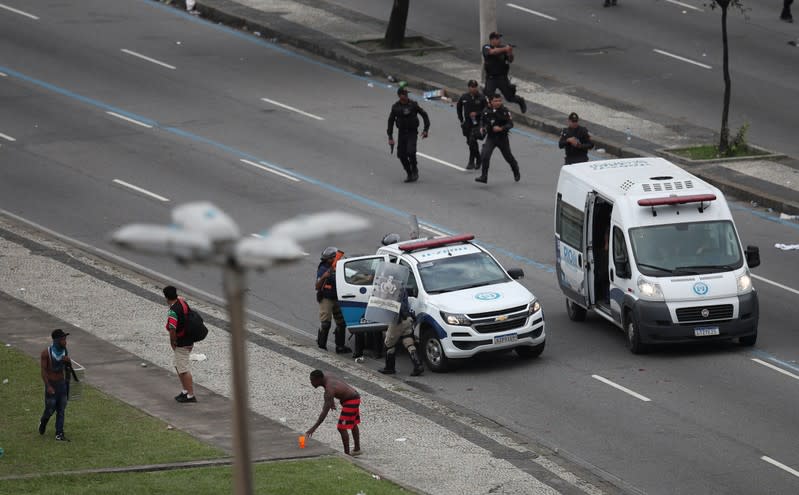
<point x="748" y="341"/>
<point x="575" y="312"/>
<point x="530" y="352"/>
<point x="433" y="352"/>
<point x="633" y="336"/>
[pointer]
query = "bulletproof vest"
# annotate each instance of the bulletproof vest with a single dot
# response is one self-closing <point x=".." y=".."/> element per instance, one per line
<point x="495" y="65"/>
<point x="407" y="117"/>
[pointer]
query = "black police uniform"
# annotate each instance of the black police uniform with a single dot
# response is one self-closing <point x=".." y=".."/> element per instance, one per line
<point x="405" y="116"/>
<point x="467" y="104"/>
<point x="490" y="118"/>
<point x="497" y="68"/>
<point x="576" y="154"/>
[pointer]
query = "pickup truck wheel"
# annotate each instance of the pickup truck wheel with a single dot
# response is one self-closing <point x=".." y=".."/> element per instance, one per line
<point x="434" y="352"/>
<point x="530" y="352"/>
<point x="575" y="312"/>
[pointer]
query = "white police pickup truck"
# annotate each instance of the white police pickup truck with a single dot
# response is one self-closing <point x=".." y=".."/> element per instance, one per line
<point x="465" y="301"/>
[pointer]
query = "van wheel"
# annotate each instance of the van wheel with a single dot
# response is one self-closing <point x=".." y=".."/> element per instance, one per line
<point x="749" y="340"/>
<point x="634" y="336"/>
<point x="575" y="312"/>
<point x="530" y="352"/>
<point x="434" y="355"/>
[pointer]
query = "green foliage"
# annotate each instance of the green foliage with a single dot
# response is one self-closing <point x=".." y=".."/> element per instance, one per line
<point x="738" y="143"/>
<point x="104" y="431"/>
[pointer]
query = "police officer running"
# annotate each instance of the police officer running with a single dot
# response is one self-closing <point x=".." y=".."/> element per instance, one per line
<point x="496" y="122"/>
<point x="327" y="298"/>
<point x="404" y="113"/>
<point x="401" y="330"/>
<point x="470" y="109"/>
<point x="576" y="140"/>
<point x="497" y="58"/>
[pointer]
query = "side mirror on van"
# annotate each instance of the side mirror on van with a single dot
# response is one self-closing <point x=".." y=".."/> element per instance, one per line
<point x="623" y="269"/>
<point x="413" y="292"/>
<point x="516" y="273"/>
<point x="752" y="256"/>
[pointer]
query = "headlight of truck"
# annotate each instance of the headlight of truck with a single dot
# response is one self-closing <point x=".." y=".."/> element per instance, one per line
<point x="649" y="289"/>
<point x="455" y="319"/>
<point x="744" y="283"/>
<point x="534" y="307"/>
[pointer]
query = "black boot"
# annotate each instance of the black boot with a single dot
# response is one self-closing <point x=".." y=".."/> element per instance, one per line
<point x="418" y="367"/>
<point x="341" y="336"/>
<point x="321" y="335"/>
<point x="414" y="173"/>
<point x="389" y="369"/>
<point x="516" y="175"/>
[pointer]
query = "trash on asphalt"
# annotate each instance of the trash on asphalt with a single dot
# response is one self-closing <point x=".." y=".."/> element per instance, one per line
<point x="144" y="365"/>
<point x="400" y="439"/>
<point x="367" y="73"/>
<point x="257" y="33"/>
<point x="785" y="216"/>
<point x="434" y="94"/>
<point x="391" y="78"/>
<point x="195" y="356"/>
<point x="600" y="150"/>
<point x="370" y="84"/>
<point x="787" y="247"/>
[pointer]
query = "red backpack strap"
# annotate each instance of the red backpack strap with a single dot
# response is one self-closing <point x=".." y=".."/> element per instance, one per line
<point x="185" y="314"/>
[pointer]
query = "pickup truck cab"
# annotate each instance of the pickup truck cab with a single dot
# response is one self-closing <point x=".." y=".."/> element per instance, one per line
<point x="465" y="301"/>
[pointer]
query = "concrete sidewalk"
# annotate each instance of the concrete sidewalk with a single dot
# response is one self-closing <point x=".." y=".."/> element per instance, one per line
<point x="328" y="30"/>
<point x="422" y="442"/>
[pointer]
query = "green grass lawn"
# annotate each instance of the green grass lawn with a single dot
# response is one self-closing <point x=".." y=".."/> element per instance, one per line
<point x="711" y="151"/>
<point x="104" y="431"/>
<point x="325" y="476"/>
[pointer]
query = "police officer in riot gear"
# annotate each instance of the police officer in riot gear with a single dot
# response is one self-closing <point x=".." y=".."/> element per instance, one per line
<point x="496" y="122"/>
<point x="470" y="109"/>
<point x="327" y="298"/>
<point x="576" y="140"/>
<point x="497" y="59"/>
<point x="405" y="114"/>
<point x="401" y="331"/>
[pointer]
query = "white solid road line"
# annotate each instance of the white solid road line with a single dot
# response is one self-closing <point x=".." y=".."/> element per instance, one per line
<point x="529" y="11"/>
<point x="267" y="169"/>
<point x="780" y="465"/>
<point x="442" y="162"/>
<point x="619" y="387"/>
<point x="12" y="9"/>
<point x="7" y="137"/>
<point x="128" y="119"/>
<point x="282" y="105"/>
<point x="139" y="189"/>
<point x="145" y="57"/>
<point x="776" y="368"/>
<point x="687" y="6"/>
<point x="704" y="66"/>
<point x="776" y="284"/>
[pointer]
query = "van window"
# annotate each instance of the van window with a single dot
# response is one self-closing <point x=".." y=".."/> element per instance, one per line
<point x="686" y="248"/>
<point x="569" y="224"/>
<point x="411" y="285"/>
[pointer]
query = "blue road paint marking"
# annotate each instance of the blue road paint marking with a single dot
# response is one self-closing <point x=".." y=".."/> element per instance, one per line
<point x="766" y="355"/>
<point x="766" y="216"/>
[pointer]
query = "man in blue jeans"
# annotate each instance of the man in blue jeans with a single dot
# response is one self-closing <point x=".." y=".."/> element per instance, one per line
<point x="55" y="363"/>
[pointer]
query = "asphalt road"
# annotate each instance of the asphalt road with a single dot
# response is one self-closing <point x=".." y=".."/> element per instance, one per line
<point x="625" y="56"/>
<point x="194" y="111"/>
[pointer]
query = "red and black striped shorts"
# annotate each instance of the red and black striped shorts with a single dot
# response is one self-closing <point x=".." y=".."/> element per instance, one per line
<point x="350" y="414"/>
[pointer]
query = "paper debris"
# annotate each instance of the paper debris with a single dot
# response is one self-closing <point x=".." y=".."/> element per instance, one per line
<point x="400" y="439"/>
<point x="170" y="427"/>
<point x="375" y="476"/>
<point x="787" y="247"/>
<point x="5" y="380"/>
<point x="197" y="357"/>
<point x="144" y="365"/>
<point x="784" y="216"/>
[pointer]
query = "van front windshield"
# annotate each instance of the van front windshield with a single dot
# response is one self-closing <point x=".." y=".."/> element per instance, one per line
<point x="460" y="272"/>
<point x="686" y="248"/>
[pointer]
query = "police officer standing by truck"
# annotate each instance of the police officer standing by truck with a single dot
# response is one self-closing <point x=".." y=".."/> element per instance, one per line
<point x="496" y="122"/>
<point x="497" y="59"/>
<point x="576" y="140"/>
<point x="405" y="115"/>
<point x="470" y="109"/>
<point x="327" y="297"/>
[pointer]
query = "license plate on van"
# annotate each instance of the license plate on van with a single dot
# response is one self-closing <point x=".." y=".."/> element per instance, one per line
<point x="705" y="331"/>
<point x="503" y="339"/>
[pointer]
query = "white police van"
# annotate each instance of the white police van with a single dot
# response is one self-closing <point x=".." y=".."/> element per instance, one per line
<point x="653" y="249"/>
<point x="465" y="302"/>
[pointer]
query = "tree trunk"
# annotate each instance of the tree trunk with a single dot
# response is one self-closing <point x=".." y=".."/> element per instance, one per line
<point x="395" y="33"/>
<point x="724" y="140"/>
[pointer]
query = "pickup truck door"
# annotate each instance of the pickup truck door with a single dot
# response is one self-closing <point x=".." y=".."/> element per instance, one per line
<point x="354" y="277"/>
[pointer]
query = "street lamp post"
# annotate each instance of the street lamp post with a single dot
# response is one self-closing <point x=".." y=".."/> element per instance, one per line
<point x="202" y="233"/>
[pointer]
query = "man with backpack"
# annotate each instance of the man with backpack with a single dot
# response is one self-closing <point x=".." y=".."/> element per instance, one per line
<point x="181" y="337"/>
